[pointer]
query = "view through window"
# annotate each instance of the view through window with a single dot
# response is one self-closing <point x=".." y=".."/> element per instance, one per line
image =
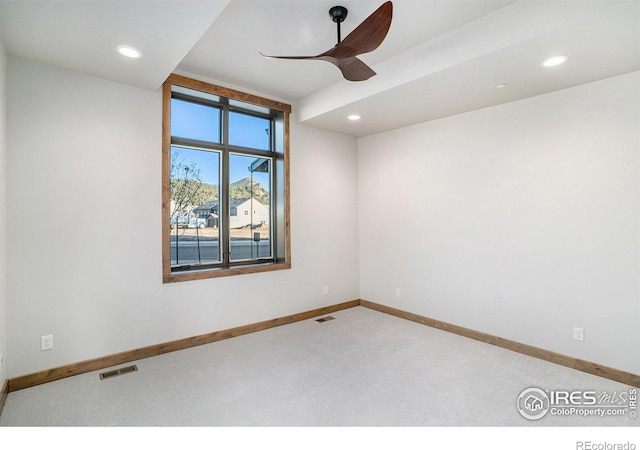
<point x="225" y="179"/>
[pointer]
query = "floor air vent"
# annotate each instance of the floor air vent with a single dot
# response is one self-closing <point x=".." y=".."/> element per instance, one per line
<point x="116" y="372"/>
<point x="324" y="319"/>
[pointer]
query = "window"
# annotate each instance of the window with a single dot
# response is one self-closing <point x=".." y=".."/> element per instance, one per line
<point x="225" y="182"/>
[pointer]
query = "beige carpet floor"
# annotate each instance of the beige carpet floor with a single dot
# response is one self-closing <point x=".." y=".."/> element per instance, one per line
<point x="363" y="369"/>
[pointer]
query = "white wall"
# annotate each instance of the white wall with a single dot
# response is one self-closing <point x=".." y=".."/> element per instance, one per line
<point x="525" y="223"/>
<point x="84" y="199"/>
<point x="524" y="220"/>
<point x="3" y="213"/>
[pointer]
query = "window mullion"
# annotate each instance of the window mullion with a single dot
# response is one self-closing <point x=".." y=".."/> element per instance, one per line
<point x="225" y="237"/>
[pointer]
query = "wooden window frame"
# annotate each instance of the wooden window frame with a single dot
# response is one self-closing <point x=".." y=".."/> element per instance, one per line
<point x="283" y="261"/>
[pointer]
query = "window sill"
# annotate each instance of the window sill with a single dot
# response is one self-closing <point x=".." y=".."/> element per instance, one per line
<point x="227" y="272"/>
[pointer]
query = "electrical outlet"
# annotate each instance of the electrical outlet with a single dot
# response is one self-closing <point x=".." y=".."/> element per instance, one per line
<point x="326" y="290"/>
<point x="578" y="334"/>
<point x="398" y="292"/>
<point x="46" y="342"/>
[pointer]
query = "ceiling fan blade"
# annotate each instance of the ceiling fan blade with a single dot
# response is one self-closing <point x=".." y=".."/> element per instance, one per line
<point x="354" y="69"/>
<point x="290" y="57"/>
<point x="367" y="36"/>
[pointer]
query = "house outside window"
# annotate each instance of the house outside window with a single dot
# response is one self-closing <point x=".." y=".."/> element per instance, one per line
<point x="225" y="182"/>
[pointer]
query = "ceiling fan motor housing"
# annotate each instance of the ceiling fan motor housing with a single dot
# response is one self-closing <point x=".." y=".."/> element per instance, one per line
<point x="338" y="13"/>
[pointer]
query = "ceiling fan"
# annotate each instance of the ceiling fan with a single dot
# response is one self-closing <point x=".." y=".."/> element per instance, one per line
<point x="365" y="38"/>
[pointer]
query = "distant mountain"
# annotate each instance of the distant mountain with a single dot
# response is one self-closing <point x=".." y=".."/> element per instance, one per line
<point x="194" y="193"/>
<point x="191" y="193"/>
<point x="245" y="188"/>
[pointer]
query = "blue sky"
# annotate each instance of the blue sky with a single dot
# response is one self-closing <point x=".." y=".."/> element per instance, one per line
<point x="201" y="122"/>
<point x="194" y="121"/>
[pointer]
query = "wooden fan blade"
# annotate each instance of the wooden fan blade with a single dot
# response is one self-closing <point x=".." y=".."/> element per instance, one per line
<point x="354" y="69"/>
<point x="291" y="57"/>
<point x="367" y="36"/>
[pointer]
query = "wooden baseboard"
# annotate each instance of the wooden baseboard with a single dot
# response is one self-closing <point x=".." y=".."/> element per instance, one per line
<point x="91" y="365"/>
<point x="563" y="360"/>
<point x="3" y="394"/>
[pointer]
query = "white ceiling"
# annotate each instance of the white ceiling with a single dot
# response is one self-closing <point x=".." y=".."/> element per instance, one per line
<point x="439" y="58"/>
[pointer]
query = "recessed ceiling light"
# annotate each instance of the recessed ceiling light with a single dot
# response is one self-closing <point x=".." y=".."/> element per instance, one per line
<point x="555" y="61"/>
<point x="128" y="51"/>
<point x="501" y="85"/>
<point x="354" y="117"/>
